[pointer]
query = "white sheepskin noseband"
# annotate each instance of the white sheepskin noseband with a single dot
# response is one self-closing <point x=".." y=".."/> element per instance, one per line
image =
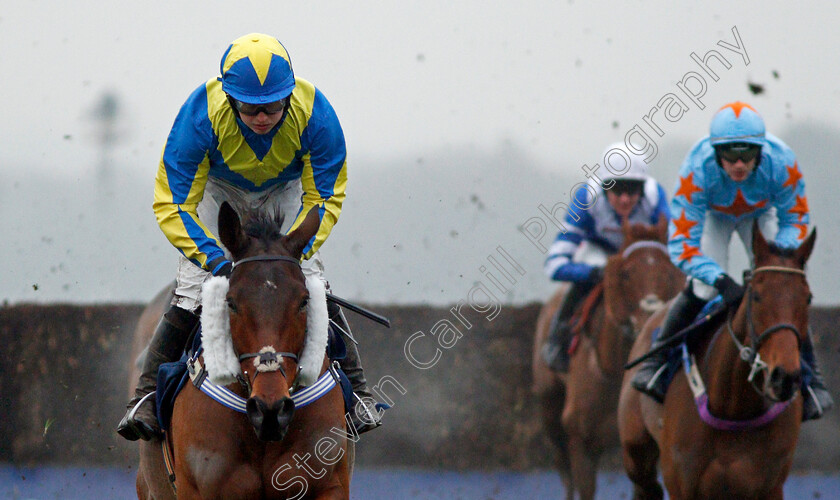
<point x="221" y="361"/>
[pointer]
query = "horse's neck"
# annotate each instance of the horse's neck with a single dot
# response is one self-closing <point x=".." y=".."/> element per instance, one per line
<point x="730" y="393"/>
<point x="611" y="348"/>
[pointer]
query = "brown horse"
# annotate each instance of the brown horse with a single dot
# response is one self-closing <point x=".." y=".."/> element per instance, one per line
<point x="274" y="449"/>
<point x="578" y="409"/>
<point x="736" y="439"/>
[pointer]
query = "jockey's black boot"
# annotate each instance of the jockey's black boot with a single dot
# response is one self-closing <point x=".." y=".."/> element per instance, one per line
<point x="683" y="310"/>
<point x="364" y="414"/>
<point x="555" y="350"/>
<point x="817" y="400"/>
<point x="167" y="344"/>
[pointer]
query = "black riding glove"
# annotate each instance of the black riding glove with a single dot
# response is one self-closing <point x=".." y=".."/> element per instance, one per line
<point x="730" y="291"/>
<point x="595" y="276"/>
<point x="224" y="270"/>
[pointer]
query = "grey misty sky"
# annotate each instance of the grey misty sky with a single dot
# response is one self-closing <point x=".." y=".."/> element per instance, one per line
<point x="518" y="94"/>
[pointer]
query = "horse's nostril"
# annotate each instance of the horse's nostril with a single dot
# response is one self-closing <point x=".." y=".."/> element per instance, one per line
<point x="285" y="408"/>
<point x="784" y="384"/>
<point x="255" y="408"/>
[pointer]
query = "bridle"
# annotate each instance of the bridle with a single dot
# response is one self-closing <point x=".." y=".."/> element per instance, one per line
<point x="750" y="354"/>
<point x="267" y="360"/>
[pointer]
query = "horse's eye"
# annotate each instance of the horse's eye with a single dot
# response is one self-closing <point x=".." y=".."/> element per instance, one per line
<point x="810" y="298"/>
<point x="756" y="298"/>
<point x="231" y="305"/>
<point x="304" y="304"/>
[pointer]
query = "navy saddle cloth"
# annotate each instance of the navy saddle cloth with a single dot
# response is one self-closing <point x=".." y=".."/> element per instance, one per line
<point x="173" y="376"/>
<point x="674" y="354"/>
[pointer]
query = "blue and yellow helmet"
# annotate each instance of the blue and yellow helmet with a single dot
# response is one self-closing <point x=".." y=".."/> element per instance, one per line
<point x="737" y="122"/>
<point x="256" y="69"/>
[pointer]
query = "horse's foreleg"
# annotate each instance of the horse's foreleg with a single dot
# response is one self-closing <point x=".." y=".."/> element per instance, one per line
<point x="639" y="450"/>
<point x="584" y="468"/>
<point x="640" y="465"/>
<point x="152" y="482"/>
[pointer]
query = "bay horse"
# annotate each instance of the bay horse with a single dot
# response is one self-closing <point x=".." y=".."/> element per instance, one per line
<point x="578" y="408"/>
<point x="269" y="448"/>
<point x="732" y="431"/>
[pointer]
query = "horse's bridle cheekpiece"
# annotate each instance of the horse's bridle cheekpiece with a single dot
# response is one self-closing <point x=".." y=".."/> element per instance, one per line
<point x="750" y="353"/>
<point x="266" y="360"/>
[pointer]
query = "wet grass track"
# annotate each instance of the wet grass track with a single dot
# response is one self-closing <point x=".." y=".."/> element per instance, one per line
<point x="117" y="483"/>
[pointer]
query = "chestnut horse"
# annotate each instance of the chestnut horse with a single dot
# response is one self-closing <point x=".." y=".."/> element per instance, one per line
<point x="274" y="449"/>
<point x="737" y="438"/>
<point x="578" y="408"/>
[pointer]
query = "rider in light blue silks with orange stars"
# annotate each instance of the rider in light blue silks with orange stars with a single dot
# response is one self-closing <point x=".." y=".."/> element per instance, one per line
<point x="258" y="138"/>
<point x="734" y="176"/>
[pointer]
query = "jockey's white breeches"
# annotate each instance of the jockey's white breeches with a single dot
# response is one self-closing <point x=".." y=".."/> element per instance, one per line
<point x="282" y="199"/>
<point x="717" y="233"/>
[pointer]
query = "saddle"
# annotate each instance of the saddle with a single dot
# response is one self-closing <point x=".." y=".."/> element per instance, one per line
<point x="674" y="355"/>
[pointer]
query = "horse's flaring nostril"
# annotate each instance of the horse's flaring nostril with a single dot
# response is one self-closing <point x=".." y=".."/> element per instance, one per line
<point x="256" y="408"/>
<point x="784" y="384"/>
<point x="285" y="408"/>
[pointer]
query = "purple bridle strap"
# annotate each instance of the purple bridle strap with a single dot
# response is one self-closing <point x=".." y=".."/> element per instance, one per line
<point x="702" y="402"/>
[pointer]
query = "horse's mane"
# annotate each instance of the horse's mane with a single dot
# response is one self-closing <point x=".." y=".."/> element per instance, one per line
<point x="263" y="226"/>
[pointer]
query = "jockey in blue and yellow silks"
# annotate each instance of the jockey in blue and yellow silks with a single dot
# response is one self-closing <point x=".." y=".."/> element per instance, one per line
<point x="736" y="175"/>
<point x="209" y="141"/>
<point x="261" y="139"/>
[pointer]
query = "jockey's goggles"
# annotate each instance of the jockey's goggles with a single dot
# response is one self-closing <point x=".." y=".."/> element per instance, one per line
<point x="627" y="186"/>
<point x="255" y="109"/>
<point x="739" y="151"/>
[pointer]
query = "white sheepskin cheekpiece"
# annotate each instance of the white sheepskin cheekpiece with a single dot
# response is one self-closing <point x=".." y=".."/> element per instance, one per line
<point x="220" y="359"/>
<point x="317" y="322"/>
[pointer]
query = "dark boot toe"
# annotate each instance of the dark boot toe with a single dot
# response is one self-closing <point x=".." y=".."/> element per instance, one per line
<point x="140" y="423"/>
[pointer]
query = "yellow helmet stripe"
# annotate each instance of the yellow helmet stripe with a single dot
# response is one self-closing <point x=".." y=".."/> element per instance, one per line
<point x="259" y="49"/>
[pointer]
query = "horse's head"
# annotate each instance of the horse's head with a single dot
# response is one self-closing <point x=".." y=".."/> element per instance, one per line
<point x="267" y="304"/>
<point x="775" y="314"/>
<point x="641" y="278"/>
<point x="638" y="281"/>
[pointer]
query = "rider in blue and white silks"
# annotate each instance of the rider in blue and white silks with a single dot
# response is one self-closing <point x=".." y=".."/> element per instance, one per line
<point x="579" y="254"/>
<point x="734" y="176"/>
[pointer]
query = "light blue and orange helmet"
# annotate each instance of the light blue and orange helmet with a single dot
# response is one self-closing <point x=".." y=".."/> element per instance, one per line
<point x="256" y="69"/>
<point x="737" y="122"/>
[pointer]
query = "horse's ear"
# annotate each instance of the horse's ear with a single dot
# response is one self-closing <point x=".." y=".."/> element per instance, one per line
<point x="662" y="228"/>
<point x="297" y="240"/>
<point x="759" y="245"/>
<point x="804" y="251"/>
<point x="230" y="230"/>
